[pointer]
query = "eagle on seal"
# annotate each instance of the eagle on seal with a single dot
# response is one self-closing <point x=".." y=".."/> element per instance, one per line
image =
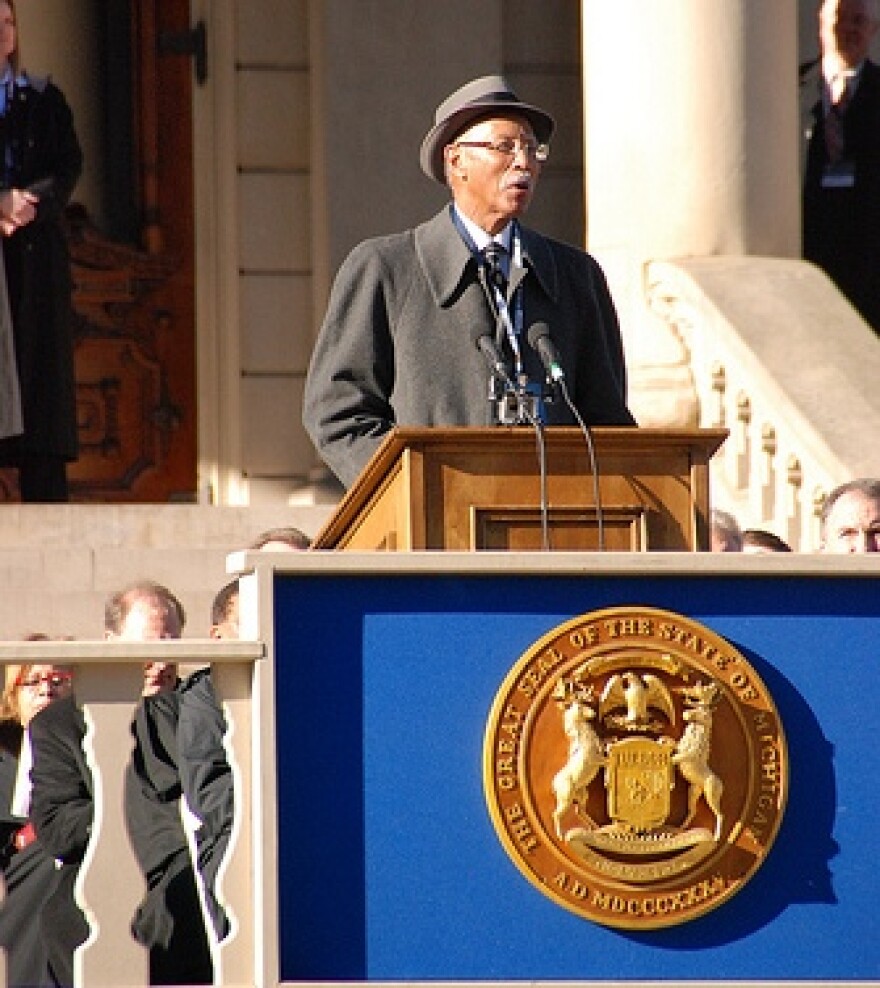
<point x="638" y="694"/>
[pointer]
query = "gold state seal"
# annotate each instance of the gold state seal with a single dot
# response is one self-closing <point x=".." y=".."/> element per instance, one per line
<point x="635" y="767"/>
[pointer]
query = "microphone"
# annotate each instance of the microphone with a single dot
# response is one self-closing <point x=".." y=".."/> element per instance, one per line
<point x="490" y="350"/>
<point x="539" y="339"/>
<point x="521" y="413"/>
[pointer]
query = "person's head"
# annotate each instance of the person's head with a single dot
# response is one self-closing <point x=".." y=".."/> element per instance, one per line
<point x="724" y="532"/>
<point x="146" y="611"/>
<point x="9" y="53"/>
<point x="224" y="612"/>
<point x="847" y="28"/>
<point x="283" y="539"/>
<point x="850" y="518"/>
<point x="28" y="688"/>
<point x="488" y="147"/>
<point x="758" y="540"/>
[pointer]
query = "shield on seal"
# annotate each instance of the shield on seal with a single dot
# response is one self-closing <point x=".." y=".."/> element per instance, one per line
<point x="639" y="778"/>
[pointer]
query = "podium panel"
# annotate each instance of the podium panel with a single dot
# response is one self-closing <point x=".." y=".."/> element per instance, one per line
<point x="461" y="489"/>
<point x="389" y="868"/>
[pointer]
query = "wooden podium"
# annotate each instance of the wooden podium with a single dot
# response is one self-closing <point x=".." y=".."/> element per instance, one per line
<point x="466" y="488"/>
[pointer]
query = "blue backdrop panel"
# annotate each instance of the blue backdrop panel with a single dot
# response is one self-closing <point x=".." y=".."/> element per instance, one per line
<point x="389" y="866"/>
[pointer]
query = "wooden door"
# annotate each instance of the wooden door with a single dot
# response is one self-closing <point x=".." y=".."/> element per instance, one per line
<point x="134" y="295"/>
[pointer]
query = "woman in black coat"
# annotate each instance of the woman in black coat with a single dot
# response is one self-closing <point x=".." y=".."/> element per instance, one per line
<point x="29" y="871"/>
<point x="40" y="165"/>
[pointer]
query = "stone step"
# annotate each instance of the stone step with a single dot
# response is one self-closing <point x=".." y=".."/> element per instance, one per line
<point x="58" y="564"/>
<point x="149" y="525"/>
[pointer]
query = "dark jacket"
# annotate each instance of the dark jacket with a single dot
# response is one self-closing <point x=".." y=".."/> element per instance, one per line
<point x="10" y="749"/>
<point x="169" y="919"/>
<point x="46" y="157"/>
<point x="397" y="344"/>
<point x="841" y="226"/>
<point x="30" y="878"/>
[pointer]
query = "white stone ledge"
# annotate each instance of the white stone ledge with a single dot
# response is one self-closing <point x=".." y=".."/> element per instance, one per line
<point x="556" y="563"/>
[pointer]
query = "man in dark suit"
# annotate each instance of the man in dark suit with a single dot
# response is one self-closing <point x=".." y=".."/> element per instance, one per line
<point x="841" y="204"/>
<point x="398" y="344"/>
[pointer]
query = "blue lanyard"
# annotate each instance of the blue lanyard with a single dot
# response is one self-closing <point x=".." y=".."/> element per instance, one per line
<point x="509" y="310"/>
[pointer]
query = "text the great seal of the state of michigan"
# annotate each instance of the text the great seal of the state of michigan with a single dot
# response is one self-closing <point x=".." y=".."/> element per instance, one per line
<point x="635" y="767"/>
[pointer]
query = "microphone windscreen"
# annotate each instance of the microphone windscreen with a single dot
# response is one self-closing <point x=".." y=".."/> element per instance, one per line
<point x="537" y="331"/>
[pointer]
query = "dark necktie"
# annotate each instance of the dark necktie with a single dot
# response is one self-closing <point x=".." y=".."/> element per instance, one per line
<point x="835" y="142"/>
<point x="493" y="254"/>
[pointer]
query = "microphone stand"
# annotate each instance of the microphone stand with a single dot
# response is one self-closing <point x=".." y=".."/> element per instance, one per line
<point x="514" y="403"/>
<point x="539" y="338"/>
<point x="591" y="454"/>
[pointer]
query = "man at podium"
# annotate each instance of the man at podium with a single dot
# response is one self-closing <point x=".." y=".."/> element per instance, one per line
<point x="470" y="318"/>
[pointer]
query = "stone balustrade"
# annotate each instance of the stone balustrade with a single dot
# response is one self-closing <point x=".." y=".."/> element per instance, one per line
<point x="779" y="358"/>
<point x="108" y="677"/>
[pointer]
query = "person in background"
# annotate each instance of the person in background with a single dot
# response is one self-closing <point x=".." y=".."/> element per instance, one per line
<point x="40" y="164"/>
<point x="409" y="313"/>
<point x="725" y="534"/>
<point x="146" y="611"/>
<point x="850" y="518"/>
<point x="841" y="195"/>
<point x="169" y="919"/>
<point x="281" y="539"/>
<point x="757" y="540"/>
<point x="29" y="871"/>
<point x="224" y="612"/>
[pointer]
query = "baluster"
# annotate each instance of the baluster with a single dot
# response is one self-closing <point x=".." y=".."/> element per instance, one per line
<point x="767" y="473"/>
<point x="235" y="879"/>
<point x="794" y="478"/>
<point x="814" y="535"/>
<point x="742" y="439"/>
<point x="110" y="884"/>
<point x="719" y="388"/>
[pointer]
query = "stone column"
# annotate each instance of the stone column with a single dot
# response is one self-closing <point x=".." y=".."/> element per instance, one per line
<point x="692" y="150"/>
<point x="374" y="92"/>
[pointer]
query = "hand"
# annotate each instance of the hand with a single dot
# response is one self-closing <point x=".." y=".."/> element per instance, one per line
<point x="159" y="677"/>
<point x="18" y="207"/>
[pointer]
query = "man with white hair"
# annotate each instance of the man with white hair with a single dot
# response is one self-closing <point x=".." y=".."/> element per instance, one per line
<point x="850" y="518"/>
<point x="841" y="205"/>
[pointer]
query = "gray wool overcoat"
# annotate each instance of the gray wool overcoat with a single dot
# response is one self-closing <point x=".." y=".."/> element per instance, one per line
<point x="397" y="344"/>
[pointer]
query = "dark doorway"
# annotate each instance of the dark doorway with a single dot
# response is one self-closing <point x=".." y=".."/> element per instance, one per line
<point x="134" y="277"/>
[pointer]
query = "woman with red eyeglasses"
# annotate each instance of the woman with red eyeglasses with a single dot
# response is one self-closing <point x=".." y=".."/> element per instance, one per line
<point x="28" y="871"/>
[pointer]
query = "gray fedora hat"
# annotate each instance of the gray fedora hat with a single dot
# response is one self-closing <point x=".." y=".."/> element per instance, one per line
<point x="479" y="98"/>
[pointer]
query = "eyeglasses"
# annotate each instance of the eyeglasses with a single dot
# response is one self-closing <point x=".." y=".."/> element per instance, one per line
<point x="509" y="147"/>
<point x="56" y="680"/>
